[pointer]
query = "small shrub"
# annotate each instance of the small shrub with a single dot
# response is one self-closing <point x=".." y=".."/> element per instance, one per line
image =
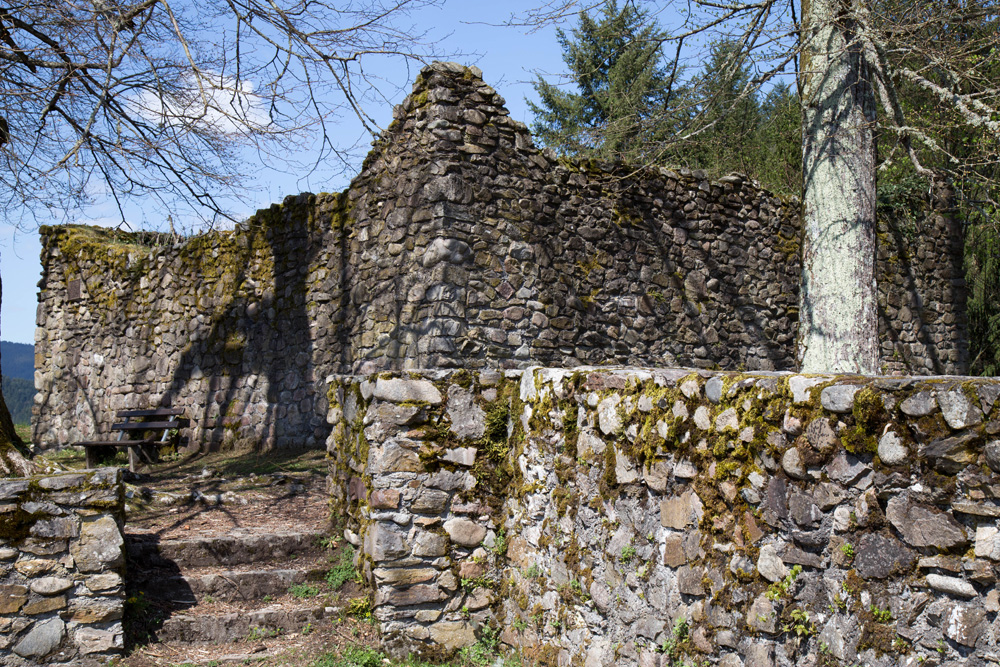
<point x="801" y="624"/>
<point x="343" y="571"/>
<point x="671" y="646"/>
<point x="484" y="651"/>
<point x="361" y="609"/>
<point x="782" y="588"/>
<point x="500" y="544"/>
<point x="301" y="591"/>
<point x="881" y="615"/>
<point x="257" y="634"/>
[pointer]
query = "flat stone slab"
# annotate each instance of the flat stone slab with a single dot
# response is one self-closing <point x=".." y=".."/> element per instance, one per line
<point x="232" y="549"/>
<point x="398" y="390"/>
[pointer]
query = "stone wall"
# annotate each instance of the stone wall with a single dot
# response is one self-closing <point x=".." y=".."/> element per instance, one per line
<point x="62" y="566"/>
<point x="239" y="328"/>
<point x="458" y="245"/>
<point x="653" y="517"/>
<point x="923" y="326"/>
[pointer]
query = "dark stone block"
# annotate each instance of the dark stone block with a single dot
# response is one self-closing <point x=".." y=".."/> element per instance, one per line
<point x="879" y="556"/>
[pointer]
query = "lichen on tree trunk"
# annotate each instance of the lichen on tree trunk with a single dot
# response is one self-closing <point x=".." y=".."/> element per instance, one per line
<point x="838" y="326"/>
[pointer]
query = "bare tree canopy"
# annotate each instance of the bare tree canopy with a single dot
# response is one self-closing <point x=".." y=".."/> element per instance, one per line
<point x="119" y="99"/>
<point x="886" y="85"/>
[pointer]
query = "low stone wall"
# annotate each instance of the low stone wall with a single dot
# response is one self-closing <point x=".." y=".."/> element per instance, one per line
<point x="642" y="517"/>
<point x="62" y="567"/>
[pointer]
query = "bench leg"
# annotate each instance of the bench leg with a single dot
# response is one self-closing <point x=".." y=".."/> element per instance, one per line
<point x="133" y="458"/>
<point x="91" y="455"/>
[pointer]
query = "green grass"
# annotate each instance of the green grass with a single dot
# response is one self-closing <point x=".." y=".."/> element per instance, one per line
<point x="23" y="431"/>
<point x="351" y="656"/>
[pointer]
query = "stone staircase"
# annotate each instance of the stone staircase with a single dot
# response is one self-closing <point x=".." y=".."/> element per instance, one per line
<point x="228" y="591"/>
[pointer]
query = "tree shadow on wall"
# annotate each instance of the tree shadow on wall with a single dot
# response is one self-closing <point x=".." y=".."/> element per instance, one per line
<point x="262" y="335"/>
<point x="900" y="260"/>
<point x="581" y="278"/>
<point x="74" y="389"/>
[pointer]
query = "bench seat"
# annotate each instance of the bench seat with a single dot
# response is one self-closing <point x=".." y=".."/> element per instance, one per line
<point x="167" y="419"/>
<point x="90" y="448"/>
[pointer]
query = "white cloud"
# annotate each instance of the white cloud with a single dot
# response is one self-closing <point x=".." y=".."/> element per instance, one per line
<point x="221" y="103"/>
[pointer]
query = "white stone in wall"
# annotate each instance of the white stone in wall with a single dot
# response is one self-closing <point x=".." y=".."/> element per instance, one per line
<point x="607" y="415"/>
<point x="800" y="386"/>
<point x="891" y="450"/>
<point x="399" y="390"/>
<point x="988" y="542"/>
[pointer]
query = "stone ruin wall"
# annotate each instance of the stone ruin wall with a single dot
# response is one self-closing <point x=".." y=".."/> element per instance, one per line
<point x="661" y="517"/>
<point x="923" y="326"/>
<point x="458" y="245"/>
<point x="62" y="569"/>
<point x="235" y="327"/>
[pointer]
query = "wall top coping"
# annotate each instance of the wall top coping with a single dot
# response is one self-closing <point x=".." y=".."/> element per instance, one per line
<point x="671" y="376"/>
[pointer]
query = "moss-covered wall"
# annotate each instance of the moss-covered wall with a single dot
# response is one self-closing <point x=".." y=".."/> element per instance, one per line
<point x="62" y="569"/>
<point x="633" y="516"/>
<point x="459" y="245"/>
<point x="239" y="328"/>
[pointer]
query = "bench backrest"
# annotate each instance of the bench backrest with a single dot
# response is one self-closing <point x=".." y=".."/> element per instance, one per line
<point x="149" y="420"/>
<point x="157" y="412"/>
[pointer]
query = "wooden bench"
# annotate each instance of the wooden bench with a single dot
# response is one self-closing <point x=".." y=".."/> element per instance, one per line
<point x="137" y="422"/>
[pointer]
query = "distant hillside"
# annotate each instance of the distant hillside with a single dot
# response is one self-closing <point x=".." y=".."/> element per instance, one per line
<point x="19" y="393"/>
<point x="17" y="360"/>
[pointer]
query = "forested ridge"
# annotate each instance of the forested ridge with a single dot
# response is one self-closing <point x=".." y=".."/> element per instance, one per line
<point x="18" y="363"/>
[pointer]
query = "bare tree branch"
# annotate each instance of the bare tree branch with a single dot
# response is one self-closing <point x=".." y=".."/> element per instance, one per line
<point x="135" y="98"/>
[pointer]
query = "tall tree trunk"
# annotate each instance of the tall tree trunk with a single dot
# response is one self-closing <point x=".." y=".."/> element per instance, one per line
<point x="12" y="461"/>
<point x="838" y="326"/>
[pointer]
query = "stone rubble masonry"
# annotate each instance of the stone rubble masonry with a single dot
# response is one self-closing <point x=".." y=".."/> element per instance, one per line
<point x="459" y="245"/>
<point x="62" y="568"/>
<point x="588" y="516"/>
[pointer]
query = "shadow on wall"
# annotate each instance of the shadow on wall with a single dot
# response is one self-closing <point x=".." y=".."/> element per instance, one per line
<point x="922" y="293"/>
<point x="257" y="355"/>
<point x="630" y="287"/>
<point x="78" y="368"/>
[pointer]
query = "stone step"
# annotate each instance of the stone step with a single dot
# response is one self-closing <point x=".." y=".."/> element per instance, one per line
<point x="228" y="586"/>
<point x="191" y="627"/>
<point x="236" y="548"/>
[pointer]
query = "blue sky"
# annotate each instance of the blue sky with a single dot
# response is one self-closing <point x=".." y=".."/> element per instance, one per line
<point x="508" y="57"/>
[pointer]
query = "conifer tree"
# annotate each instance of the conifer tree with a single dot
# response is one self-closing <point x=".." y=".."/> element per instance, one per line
<point x="725" y="128"/>
<point x="623" y="84"/>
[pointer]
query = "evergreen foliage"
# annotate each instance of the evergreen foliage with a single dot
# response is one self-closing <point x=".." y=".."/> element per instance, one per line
<point x="982" y="258"/>
<point x="19" y="394"/>
<point x="630" y="104"/>
<point x="737" y="129"/>
<point x="779" y="142"/>
<point x="623" y="82"/>
<point x="729" y="116"/>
